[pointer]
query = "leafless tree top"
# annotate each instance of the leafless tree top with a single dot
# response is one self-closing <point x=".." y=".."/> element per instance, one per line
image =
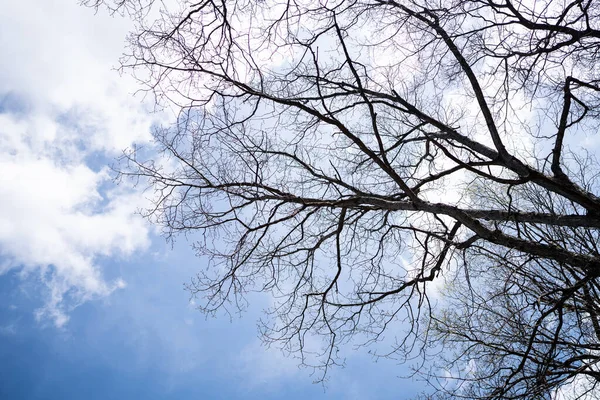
<point x="358" y="159"/>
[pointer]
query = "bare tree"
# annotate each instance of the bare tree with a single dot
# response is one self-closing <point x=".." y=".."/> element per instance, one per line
<point x="357" y="159"/>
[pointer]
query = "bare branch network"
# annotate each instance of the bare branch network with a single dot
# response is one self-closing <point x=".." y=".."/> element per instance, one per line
<point x="416" y="169"/>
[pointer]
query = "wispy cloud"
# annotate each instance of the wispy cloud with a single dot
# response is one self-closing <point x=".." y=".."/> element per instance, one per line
<point x="62" y="108"/>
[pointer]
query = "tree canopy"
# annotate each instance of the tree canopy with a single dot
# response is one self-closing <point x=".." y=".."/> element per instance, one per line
<point x="420" y="169"/>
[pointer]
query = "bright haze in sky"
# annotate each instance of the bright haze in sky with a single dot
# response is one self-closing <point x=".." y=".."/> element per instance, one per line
<point x="92" y="300"/>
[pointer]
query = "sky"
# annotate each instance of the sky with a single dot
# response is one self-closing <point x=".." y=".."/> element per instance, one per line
<point x="91" y="296"/>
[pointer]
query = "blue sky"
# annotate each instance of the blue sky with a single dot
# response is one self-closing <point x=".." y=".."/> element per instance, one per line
<point x="91" y="297"/>
<point x="147" y="341"/>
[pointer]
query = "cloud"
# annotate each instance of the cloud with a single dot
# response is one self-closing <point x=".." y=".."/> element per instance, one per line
<point x="63" y="113"/>
<point x="267" y="366"/>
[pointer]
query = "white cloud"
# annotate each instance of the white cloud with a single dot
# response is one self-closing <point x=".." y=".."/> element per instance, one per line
<point x="579" y="388"/>
<point x="8" y="330"/>
<point x="268" y="366"/>
<point x="64" y="104"/>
